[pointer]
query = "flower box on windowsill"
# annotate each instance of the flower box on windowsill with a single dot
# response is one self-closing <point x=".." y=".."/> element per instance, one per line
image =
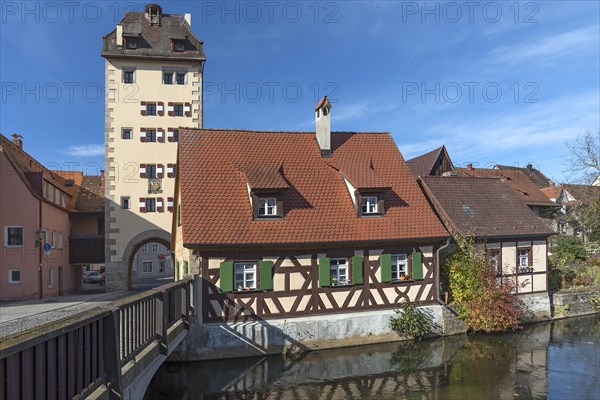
<point x="525" y="270"/>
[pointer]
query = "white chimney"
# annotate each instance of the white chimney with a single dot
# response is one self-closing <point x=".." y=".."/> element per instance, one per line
<point x="119" y="35"/>
<point x="188" y="18"/>
<point x="323" y="122"/>
<point x="18" y="140"/>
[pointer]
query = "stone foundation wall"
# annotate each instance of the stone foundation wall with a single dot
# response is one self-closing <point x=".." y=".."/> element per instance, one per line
<point x="296" y="335"/>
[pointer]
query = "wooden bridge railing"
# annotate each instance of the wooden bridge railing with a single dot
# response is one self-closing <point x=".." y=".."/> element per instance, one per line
<point x="74" y="356"/>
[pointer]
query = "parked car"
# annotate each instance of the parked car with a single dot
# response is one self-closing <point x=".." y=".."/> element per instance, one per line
<point x="91" y="277"/>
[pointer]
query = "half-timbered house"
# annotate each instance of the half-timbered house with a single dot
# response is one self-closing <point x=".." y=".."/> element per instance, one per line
<point x="491" y="212"/>
<point x="283" y="224"/>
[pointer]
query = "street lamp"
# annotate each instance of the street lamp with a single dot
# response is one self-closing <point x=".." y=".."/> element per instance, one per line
<point x="40" y="233"/>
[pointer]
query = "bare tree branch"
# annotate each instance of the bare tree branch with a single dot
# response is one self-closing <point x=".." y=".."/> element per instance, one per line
<point x="584" y="162"/>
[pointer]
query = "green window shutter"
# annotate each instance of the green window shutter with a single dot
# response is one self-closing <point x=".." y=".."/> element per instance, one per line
<point x="357" y="270"/>
<point x="185" y="267"/>
<point x="266" y="275"/>
<point x="324" y="272"/>
<point x="385" y="264"/>
<point x="226" y="276"/>
<point x="417" y="265"/>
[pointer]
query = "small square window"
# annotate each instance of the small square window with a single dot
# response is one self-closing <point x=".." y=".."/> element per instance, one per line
<point x="369" y="205"/>
<point x="150" y="205"/>
<point x="147" y="266"/>
<point x="126" y="133"/>
<point x="180" y="78"/>
<point x="145" y="248"/>
<point x="150" y="108"/>
<point x="128" y="76"/>
<point x="523" y="255"/>
<point x="167" y="78"/>
<point x="155" y="247"/>
<point x="178" y="110"/>
<point x="267" y="206"/>
<point x="13" y="236"/>
<point x="125" y="202"/>
<point x="14" y="276"/>
<point x="150" y="135"/>
<point x="244" y="276"/>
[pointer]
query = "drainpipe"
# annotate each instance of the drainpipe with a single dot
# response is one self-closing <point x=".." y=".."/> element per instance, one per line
<point x="40" y="246"/>
<point x="437" y="273"/>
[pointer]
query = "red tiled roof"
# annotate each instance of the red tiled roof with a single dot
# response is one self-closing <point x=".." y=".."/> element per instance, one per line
<point x="264" y="176"/>
<point x="86" y="191"/>
<point x="215" y="208"/>
<point x="27" y="166"/>
<point x="361" y="173"/>
<point x="483" y="207"/>
<point x="536" y="176"/>
<point x="552" y="192"/>
<point x="517" y="180"/>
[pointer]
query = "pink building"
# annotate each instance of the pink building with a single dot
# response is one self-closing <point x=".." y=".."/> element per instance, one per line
<point x="34" y="211"/>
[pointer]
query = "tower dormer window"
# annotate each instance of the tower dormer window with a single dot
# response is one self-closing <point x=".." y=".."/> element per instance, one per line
<point x="131" y="43"/>
<point x="153" y="13"/>
<point x="178" y="45"/>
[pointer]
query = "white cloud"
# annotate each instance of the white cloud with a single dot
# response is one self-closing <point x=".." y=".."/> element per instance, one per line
<point x="86" y="150"/>
<point x="549" y="47"/>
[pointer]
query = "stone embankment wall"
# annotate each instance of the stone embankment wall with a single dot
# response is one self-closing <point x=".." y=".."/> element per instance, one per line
<point x="575" y="302"/>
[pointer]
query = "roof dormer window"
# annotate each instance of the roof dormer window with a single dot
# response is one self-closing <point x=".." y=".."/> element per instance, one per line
<point x="131" y="43"/>
<point x="369" y="205"/>
<point x="178" y="45"/>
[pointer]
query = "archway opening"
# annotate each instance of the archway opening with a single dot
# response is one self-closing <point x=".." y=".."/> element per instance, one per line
<point x="151" y="265"/>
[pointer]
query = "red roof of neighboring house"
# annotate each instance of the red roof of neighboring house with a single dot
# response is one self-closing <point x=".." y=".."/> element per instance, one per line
<point x="517" y="180"/>
<point x="29" y="168"/>
<point x="424" y="164"/>
<point x="318" y="208"/>
<point x="536" y="176"/>
<point x="483" y="207"/>
<point x="553" y="192"/>
<point x="86" y="190"/>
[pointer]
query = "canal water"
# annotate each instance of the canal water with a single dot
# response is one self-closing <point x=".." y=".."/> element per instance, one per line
<point x="557" y="360"/>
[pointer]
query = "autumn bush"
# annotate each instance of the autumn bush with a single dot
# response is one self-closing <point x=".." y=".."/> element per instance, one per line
<point x="482" y="300"/>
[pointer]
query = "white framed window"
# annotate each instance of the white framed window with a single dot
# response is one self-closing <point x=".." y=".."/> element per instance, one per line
<point x="155" y="247"/>
<point x="14" y="275"/>
<point x="339" y="271"/>
<point x="244" y="275"/>
<point x="53" y="237"/>
<point x="125" y="202"/>
<point x="50" y="193"/>
<point x="180" y="78"/>
<point x="63" y="200"/>
<point x="13" y="236"/>
<point x="147" y="266"/>
<point x="50" y="277"/>
<point x="523" y="257"/>
<point x="145" y="248"/>
<point x="267" y="206"/>
<point x="369" y="205"/>
<point x="126" y="133"/>
<point x="399" y="266"/>
<point x="60" y="240"/>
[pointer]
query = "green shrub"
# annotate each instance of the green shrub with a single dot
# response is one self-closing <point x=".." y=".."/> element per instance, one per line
<point x="411" y="321"/>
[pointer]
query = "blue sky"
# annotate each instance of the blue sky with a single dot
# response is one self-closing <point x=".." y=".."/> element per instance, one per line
<point x="496" y="82"/>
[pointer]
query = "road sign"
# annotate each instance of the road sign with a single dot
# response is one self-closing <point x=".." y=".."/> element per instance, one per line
<point x="47" y="249"/>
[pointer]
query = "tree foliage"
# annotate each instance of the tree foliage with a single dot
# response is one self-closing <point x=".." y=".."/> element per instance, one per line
<point x="584" y="161"/>
<point x="483" y="301"/>
<point x="566" y="250"/>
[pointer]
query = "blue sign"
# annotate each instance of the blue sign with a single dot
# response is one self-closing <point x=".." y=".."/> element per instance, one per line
<point x="47" y="248"/>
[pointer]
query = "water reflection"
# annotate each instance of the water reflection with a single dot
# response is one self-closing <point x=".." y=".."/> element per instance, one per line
<point x="550" y="360"/>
